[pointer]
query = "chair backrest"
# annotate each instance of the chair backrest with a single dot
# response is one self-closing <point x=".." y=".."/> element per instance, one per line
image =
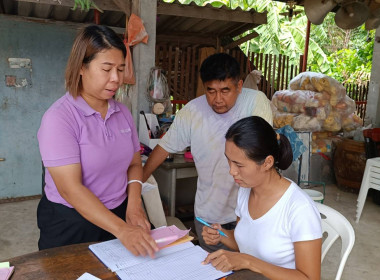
<point x="153" y="206"/>
<point x="336" y="225"/>
<point x="152" y="203"/>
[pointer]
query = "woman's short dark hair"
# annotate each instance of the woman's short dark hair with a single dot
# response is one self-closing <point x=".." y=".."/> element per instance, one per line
<point x="89" y="41"/>
<point x="256" y="137"/>
<point x="220" y="66"/>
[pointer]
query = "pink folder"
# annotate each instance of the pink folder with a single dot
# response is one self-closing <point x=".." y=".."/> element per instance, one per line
<point x="6" y="272"/>
<point x="166" y="235"/>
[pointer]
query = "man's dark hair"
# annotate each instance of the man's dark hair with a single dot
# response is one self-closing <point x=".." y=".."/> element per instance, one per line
<point x="220" y="66"/>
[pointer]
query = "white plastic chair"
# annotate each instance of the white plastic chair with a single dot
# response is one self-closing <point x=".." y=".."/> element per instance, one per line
<point x="336" y="225"/>
<point x="371" y="180"/>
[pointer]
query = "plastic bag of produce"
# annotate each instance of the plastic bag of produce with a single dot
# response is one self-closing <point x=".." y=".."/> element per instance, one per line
<point x="303" y="122"/>
<point x="346" y="106"/>
<point x="323" y="98"/>
<point x="281" y="119"/>
<point x="320" y="83"/>
<point x="351" y="122"/>
<point x="321" y="146"/>
<point x="332" y="122"/>
<point x="303" y="81"/>
<point x="293" y="101"/>
<point x="321" y="135"/>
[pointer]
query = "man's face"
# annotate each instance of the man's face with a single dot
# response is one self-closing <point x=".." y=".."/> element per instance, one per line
<point x="222" y="95"/>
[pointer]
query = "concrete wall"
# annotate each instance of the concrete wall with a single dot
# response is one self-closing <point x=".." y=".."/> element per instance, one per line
<point x="373" y="103"/>
<point x="144" y="54"/>
<point x="25" y="94"/>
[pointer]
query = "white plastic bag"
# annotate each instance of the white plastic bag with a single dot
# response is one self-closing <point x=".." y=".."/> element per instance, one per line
<point x="157" y="88"/>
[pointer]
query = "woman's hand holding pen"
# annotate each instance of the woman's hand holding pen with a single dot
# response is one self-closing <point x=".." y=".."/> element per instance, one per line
<point x="211" y="235"/>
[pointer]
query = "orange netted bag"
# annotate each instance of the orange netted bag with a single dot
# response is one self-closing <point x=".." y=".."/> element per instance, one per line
<point x="136" y="34"/>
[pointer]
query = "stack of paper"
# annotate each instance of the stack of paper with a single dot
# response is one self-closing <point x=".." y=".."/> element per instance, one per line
<point x="182" y="261"/>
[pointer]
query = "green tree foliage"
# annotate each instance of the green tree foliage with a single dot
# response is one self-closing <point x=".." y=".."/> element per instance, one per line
<point x="243" y="4"/>
<point x="345" y="55"/>
<point x="349" y="52"/>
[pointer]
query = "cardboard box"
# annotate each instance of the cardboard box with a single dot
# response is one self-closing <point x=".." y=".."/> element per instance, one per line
<point x="143" y="130"/>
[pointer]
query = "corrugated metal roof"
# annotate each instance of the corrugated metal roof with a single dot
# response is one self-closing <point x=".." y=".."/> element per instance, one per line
<point x="193" y="19"/>
<point x="173" y="20"/>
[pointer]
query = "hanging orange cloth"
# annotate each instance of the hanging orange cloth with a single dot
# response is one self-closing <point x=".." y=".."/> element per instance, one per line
<point x="136" y="34"/>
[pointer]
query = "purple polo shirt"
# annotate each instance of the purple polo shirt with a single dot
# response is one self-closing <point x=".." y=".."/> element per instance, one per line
<point x="72" y="132"/>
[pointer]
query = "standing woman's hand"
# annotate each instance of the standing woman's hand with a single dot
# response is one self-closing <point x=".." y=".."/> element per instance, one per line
<point x="136" y="216"/>
<point x="135" y="213"/>
<point x="137" y="240"/>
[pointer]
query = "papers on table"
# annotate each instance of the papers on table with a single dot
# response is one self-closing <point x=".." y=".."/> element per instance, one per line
<point x="115" y="256"/>
<point x="185" y="265"/>
<point x="180" y="261"/>
<point x="183" y="261"/>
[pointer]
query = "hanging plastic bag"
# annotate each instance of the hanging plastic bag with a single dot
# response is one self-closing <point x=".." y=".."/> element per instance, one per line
<point x="157" y="87"/>
<point x="252" y="80"/>
<point x="136" y="34"/>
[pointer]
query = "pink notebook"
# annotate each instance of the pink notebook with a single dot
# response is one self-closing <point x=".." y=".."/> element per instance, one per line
<point x="166" y="235"/>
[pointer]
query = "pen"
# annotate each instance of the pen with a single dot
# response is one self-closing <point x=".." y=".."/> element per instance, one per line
<point x="208" y="225"/>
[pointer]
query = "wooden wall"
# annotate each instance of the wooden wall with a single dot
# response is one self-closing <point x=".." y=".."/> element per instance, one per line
<point x="359" y="93"/>
<point x="181" y="67"/>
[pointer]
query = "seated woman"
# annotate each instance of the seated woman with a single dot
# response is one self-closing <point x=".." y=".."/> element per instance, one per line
<point x="278" y="232"/>
<point x="90" y="148"/>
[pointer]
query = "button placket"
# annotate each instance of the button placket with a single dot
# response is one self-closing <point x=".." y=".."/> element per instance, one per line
<point x="102" y="124"/>
<point x="108" y="133"/>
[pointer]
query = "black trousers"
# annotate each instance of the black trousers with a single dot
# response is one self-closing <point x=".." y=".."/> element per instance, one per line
<point x="61" y="225"/>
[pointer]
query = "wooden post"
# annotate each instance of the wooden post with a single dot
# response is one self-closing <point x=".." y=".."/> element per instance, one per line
<point x="306" y="51"/>
<point x="176" y="59"/>
<point x="96" y="16"/>
<point x="287" y="80"/>
<point x="279" y="68"/>
<point x="272" y="89"/>
<point x="143" y="56"/>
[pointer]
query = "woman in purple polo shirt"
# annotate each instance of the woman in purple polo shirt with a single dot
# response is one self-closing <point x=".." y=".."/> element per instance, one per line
<point x="91" y="152"/>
